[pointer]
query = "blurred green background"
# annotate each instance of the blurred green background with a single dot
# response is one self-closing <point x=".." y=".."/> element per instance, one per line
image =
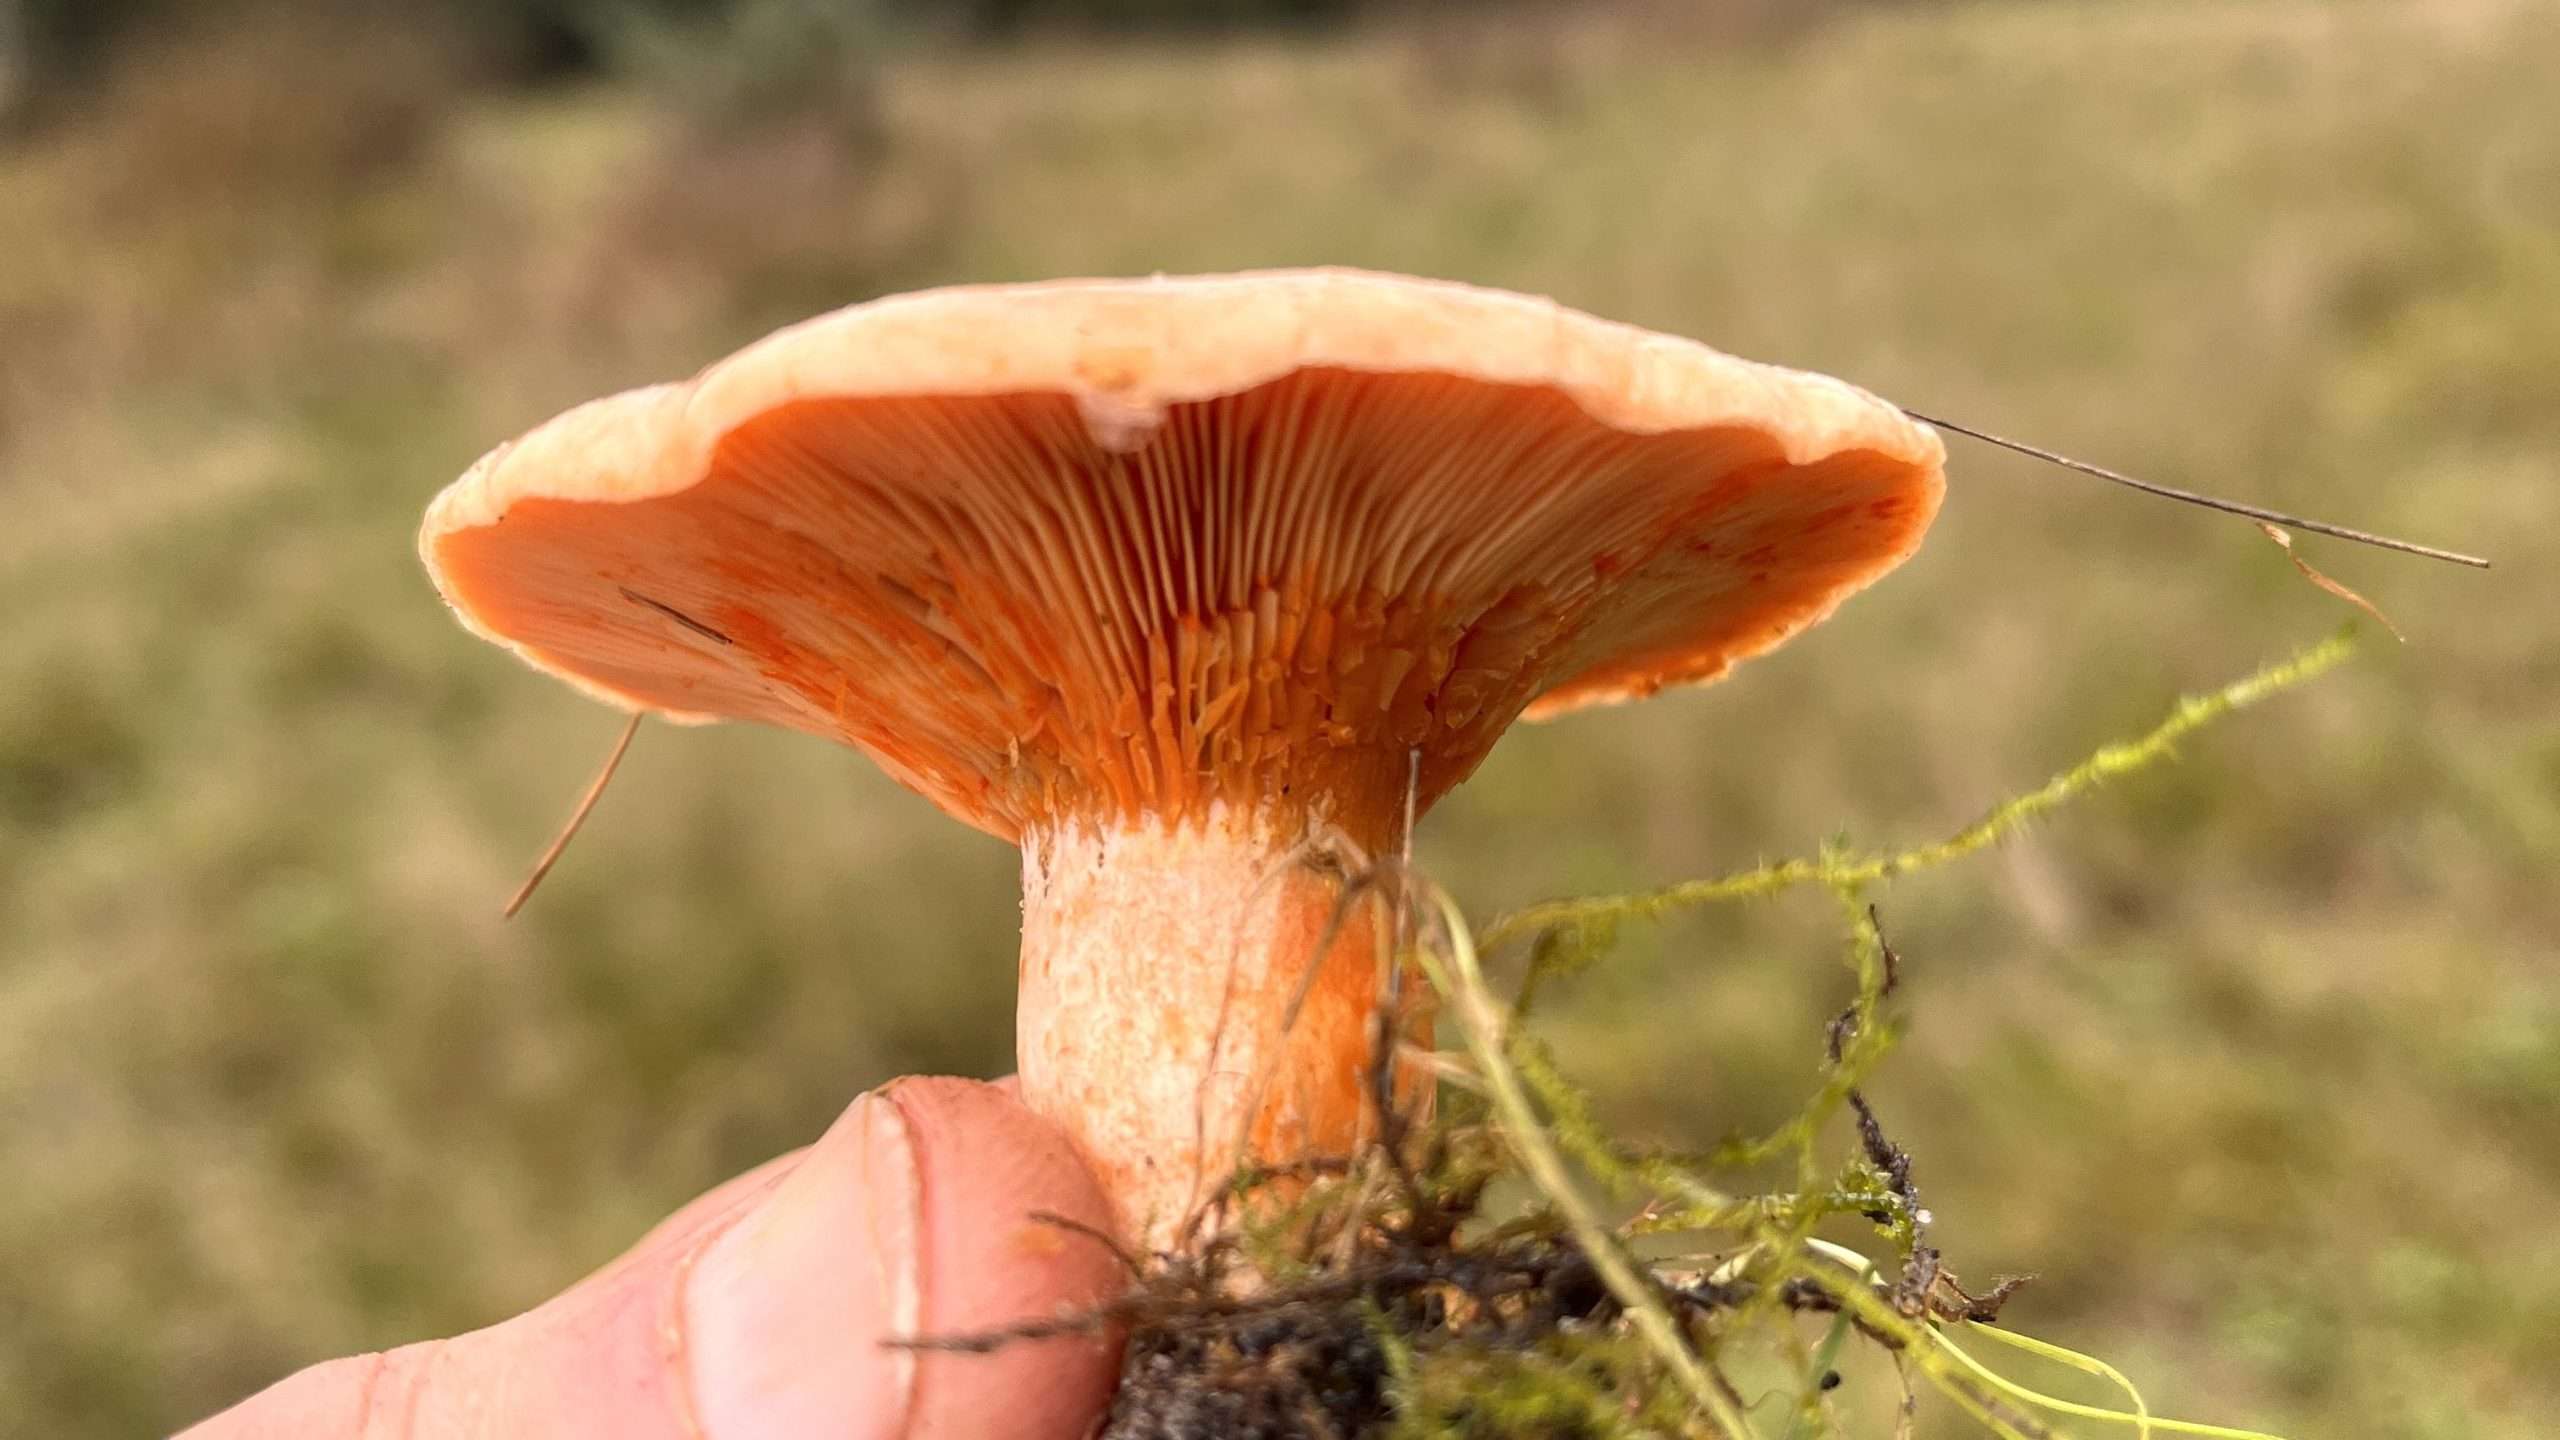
<point x="2255" y="1060"/>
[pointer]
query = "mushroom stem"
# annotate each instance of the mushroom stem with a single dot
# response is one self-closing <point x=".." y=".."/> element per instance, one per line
<point x="1161" y="1021"/>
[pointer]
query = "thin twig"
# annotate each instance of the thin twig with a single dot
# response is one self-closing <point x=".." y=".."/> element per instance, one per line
<point x="1412" y="792"/>
<point x="578" y="817"/>
<point x="2190" y="497"/>
<point x="1101" y="1237"/>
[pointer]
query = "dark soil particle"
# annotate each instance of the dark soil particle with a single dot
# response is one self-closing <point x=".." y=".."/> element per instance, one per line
<point x="1303" y="1369"/>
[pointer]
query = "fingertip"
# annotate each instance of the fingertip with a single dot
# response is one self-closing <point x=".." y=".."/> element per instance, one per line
<point x="991" y="1169"/>
<point x="911" y="1218"/>
<point x="760" y="1311"/>
<point x="326" y="1399"/>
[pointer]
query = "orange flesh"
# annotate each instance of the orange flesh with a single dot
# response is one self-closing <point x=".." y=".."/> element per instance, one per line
<point x="1160" y="651"/>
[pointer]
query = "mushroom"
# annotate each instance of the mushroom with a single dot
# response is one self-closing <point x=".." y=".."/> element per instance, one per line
<point x="1164" y="580"/>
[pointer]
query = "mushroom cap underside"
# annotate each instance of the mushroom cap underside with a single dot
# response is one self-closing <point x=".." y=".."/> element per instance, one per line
<point x="1115" y="549"/>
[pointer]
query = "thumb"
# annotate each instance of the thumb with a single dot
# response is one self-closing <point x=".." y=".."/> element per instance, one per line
<point x="758" y="1313"/>
<point x="910" y="1218"/>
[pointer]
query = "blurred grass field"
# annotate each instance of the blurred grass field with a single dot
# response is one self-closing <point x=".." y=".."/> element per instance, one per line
<point x="2254" y="1060"/>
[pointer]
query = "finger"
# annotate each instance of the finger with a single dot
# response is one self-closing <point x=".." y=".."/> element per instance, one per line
<point x="714" y="1205"/>
<point x="756" y="1314"/>
<point x="917" y="1224"/>
<point x="715" y="1208"/>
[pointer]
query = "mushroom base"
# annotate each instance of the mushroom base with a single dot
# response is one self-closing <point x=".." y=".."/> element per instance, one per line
<point x="1159" y="970"/>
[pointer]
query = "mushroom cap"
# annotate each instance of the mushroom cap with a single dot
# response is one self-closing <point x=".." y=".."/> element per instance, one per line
<point x="1116" y="549"/>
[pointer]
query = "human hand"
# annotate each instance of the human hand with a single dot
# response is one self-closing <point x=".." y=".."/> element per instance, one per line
<point x="756" y="1312"/>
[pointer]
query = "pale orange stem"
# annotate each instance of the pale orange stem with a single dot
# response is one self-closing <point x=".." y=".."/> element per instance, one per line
<point x="1183" y="1009"/>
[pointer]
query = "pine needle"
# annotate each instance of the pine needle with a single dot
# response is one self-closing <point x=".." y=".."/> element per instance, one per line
<point x="578" y="817"/>
<point x="2210" y="502"/>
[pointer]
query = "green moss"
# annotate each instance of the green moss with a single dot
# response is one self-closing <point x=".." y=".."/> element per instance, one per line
<point x="1662" y="1368"/>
